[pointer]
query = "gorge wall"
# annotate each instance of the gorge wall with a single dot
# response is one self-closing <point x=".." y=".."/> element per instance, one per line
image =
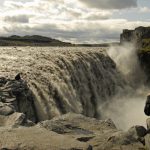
<point x="136" y="35"/>
<point x="140" y="37"/>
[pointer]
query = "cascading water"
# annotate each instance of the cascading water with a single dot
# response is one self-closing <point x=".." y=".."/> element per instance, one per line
<point x="81" y="80"/>
<point x="62" y="80"/>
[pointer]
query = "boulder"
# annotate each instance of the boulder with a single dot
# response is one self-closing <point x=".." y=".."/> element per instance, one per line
<point x="6" y="109"/>
<point x="137" y="132"/>
<point x="15" y="96"/>
<point x="133" y="135"/>
<point x="148" y="123"/>
<point x="15" y="119"/>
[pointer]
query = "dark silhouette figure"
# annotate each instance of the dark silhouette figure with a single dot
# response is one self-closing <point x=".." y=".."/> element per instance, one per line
<point x="147" y="106"/>
<point x="18" y="77"/>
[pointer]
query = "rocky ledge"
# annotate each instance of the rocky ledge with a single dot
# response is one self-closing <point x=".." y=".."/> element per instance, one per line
<point x="16" y="102"/>
<point x="72" y="132"/>
<point x="20" y="129"/>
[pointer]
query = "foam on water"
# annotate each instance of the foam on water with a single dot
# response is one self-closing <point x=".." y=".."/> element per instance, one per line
<point x="64" y="79"/>
<point x="80" y="80"/>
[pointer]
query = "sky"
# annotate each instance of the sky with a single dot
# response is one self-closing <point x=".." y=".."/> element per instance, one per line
<point x="76" y="21"/>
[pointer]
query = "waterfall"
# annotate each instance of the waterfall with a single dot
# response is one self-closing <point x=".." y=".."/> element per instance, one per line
<point x="64" y="80"/>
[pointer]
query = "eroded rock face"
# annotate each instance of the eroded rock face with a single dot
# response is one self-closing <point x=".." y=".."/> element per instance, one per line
<point x="135" y="35"/>
<point x="15" y="96"/>
<point x="140" y="38"/>
<point x="144" y="58"/>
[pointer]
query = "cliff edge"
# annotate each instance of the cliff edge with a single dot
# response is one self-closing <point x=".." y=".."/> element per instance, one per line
<point x="140" y="37"/>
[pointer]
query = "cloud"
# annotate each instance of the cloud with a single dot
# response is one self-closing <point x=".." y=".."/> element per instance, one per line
<point x="67" y="20"/>
<point x="12" y="5"/>
<point x="97" y="15"/>
<point x="17" y="19"/>
<point x="144" y="9"/>
<point x="110" y="4"/>
<point x="82" y="31"/>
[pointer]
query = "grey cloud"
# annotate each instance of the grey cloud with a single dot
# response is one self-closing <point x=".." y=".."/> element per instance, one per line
<point x="17" y="19"/>
<point x="97" y="16"/>
<point x="78" y="36"/>
<point x="110" y="4"/>
<point x="2" y="1"/>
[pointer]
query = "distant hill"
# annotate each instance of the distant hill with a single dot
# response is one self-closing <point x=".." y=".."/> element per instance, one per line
<point x="34" y="40"/>
<point x="37" y="40"/>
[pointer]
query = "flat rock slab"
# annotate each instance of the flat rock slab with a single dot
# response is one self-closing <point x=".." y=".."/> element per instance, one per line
<point x="71" y="132"/>
<point x="37" y="139"/>
<point x="15" y="119"/>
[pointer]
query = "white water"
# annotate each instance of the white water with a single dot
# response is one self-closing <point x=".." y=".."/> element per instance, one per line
<point x="81" y="80"/>
<point x="64" y="79"/>
<point x="127" y="107"/>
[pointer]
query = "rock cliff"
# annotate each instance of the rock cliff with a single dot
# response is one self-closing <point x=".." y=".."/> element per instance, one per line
<point x="16" y="98"/>
<point x="136" y="35"/>
<point x="141" y="39"/>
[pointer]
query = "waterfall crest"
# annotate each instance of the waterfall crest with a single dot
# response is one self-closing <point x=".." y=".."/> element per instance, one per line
<point x="64" y="79"/>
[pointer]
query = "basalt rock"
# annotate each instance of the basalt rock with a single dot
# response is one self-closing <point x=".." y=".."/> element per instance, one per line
<point x="6" y="109"/>
<point x="140" y="38"/>
<point x="135" y="36"/>
<point x="144" y="58"/>
<point x="15" y="96"/>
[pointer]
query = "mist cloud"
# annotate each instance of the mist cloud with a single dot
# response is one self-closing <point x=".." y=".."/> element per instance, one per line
<point x="126" y="108"/>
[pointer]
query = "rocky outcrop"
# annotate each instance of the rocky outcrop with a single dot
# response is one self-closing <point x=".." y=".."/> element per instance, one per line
<point x="15" y="96"/>
<point x="135" y="36"/>
<point x="144" y="58"/>
<point x="140" y="37"/>
<point x="72" y="132"/>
